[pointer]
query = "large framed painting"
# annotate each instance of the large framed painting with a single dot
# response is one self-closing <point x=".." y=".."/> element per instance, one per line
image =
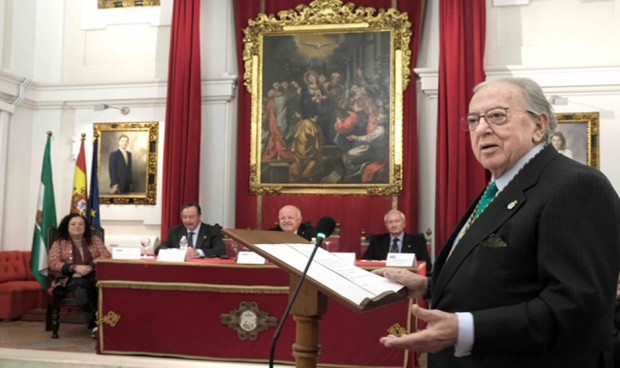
<point x="127" y="162"/>
<point x="577" y="136"/>
<point x="327" y="84"/>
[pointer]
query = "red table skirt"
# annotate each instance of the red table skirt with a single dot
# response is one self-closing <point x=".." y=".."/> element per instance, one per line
<point x="183" y="310"/>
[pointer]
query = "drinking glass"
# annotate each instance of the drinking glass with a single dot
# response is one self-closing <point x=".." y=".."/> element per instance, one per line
<point x="145" y="242"/>
<point x="326" y="244"/>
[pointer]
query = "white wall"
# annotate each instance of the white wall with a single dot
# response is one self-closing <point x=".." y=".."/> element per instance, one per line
<point x="570" y="47"/>
<point x="554" y="33"/>
<point x="82" y="57"/>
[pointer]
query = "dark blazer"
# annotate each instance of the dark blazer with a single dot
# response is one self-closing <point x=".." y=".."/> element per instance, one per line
<point x="616" y="336"/>
<point x="305" y="230"/>
<point x="379" y="248"/>
<point x="538" y="270"/>
<point x="120" y="173"/>
<point x="210" y="240"/>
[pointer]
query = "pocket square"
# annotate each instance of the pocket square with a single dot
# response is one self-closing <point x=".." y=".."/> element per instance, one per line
<point x="494" y="241"/>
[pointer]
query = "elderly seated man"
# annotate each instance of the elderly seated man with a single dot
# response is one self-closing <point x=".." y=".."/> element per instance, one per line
<point x="289" y="219"/>
<point x="397" y="241"/>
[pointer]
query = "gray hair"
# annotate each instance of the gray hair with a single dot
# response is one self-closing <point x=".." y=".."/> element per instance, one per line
<point x="534" y="98"/>
<point x="402" y="215"/>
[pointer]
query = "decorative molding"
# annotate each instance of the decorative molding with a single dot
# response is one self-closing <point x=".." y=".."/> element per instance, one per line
<point x="9" y="86"/>
<point x="7" y="107"/>
<point x="510" y="2"/>
<point x="41" y="96"/>
<point x="428" y="80"/>
<point x="593" y="80"/>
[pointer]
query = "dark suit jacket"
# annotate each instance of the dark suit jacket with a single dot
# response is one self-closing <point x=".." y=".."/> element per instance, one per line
<point x="120" y="173"/>
<point x="305" y="230"/>
<point x="538" y="270"/>
<point x="379" y="248"/>
<point x="209" y="240"/>
<point x="616" y="336"/>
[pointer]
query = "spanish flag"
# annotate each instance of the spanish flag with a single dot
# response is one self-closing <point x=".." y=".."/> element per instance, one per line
<point x="79" y="201"/>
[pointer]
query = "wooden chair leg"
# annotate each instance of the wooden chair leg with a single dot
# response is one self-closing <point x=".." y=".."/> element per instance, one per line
<point x="55" y="322"/>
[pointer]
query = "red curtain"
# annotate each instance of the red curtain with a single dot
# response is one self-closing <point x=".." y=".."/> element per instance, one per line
<point x="183" y="114"/>
<point x="460" y="177"/>
<point x="354" y="213"/>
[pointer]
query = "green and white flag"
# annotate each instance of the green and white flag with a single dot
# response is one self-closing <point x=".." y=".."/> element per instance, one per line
<point x="45" y="218"/>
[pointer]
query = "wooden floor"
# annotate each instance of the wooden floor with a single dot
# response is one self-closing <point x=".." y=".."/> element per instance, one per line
<point x="26" y="344"/>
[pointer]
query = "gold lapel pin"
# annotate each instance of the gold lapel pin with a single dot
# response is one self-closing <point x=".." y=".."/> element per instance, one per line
<point x="512" y="204"/>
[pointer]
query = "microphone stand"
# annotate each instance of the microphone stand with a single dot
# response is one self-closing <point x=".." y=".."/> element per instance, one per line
<point x="276" y="335"/>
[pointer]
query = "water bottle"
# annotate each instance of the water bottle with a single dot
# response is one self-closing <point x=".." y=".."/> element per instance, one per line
<point x="183" y="243"/>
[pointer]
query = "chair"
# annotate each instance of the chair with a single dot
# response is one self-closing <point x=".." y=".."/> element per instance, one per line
<point x="332" y="242"/>
<point x="232" y="247"/>
<point x="364" y="242"/>
<point x="54" y="304"/>
<point x="429" y="244"/>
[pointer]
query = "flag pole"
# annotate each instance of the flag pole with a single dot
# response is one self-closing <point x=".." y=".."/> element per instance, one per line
<point x="94" y="216"/>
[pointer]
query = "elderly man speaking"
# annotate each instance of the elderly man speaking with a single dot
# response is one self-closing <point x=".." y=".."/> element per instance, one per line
<point x="528" y="278"/>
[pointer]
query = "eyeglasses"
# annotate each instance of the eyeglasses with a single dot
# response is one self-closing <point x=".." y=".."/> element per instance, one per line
<point x="496" y="116"/>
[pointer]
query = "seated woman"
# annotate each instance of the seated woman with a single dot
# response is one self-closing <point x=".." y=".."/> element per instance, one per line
<point x="73" y="255"/>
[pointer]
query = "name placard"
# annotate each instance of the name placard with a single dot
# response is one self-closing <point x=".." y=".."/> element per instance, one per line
<point x="250" y="258"/>
<point x="401" y="260"/>
<point x="125" y="253"/>
<point x="171" y="255"/>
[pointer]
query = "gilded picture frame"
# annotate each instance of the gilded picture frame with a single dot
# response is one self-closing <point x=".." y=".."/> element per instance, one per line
<point x="128" y="177"/>
<point x="577" y="136"/>
<point x="327" y="83"/>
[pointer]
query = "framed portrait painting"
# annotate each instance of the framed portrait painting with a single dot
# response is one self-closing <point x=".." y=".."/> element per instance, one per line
<point x="127" y="162"/>
<point x="327" y="84"/>
<point x="577" y="137"/>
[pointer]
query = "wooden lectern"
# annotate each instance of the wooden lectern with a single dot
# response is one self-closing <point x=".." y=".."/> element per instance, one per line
<point x="311" y="303"/>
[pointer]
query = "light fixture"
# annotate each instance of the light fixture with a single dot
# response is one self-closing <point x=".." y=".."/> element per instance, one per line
<point x="100" y="107"/>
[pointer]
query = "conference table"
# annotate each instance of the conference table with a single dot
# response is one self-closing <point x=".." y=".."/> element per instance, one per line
<point x="215" y="309"/>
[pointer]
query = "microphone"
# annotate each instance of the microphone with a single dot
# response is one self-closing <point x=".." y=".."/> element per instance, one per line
<point x="325" y="227"/>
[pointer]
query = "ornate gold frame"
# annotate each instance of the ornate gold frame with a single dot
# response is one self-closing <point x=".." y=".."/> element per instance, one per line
<point x="143" y="138"/>
<point x="581" y="131"/>
<point x="321" y="33"/>
<point x="108" y="4"/>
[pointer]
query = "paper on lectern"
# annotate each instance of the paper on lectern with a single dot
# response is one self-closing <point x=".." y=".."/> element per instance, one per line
<point x="361" y="287"/>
